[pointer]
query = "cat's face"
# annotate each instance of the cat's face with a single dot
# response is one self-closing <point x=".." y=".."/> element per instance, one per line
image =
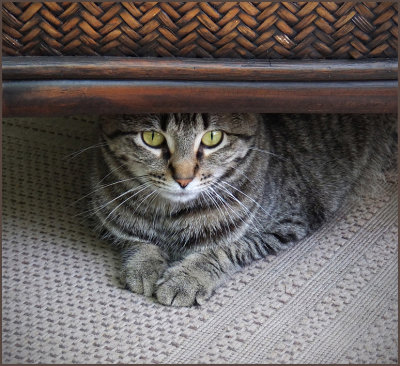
<point x="179" y="155"/>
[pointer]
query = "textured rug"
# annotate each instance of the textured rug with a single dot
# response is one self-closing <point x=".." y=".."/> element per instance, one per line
<point x="332" y="298"/>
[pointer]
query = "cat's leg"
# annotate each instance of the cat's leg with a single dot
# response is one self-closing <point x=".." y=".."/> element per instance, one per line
<point x="193" y="279"/>
<point x="142" y="266"/>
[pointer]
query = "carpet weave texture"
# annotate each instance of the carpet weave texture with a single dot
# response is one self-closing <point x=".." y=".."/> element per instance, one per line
<point x="332" y="298"/>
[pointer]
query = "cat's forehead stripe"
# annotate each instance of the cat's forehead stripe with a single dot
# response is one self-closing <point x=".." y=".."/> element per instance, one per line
<point x="181" y="120"/>
<point x="206" y="121"/>
<point x="164" y="121"/>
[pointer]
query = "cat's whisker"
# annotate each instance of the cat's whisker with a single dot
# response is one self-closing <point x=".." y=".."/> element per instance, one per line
<point x="126" y="200"/>
<point x="226" y="203"/>
<point x="252" y="216"/>
<point x="107" y="175"/>
<point x="157" y="211"/>
<point x="143" y="200"/>
<point x="149" y="202"/>
<point x="79" y="152"/>
<point x="268" y="153"/>
<point x="218" y="207"/>
<point x="102" y="187"/>
<point x="204" y="199"/>
<point x="107" y="185"/>
<point x="142" y="187"/>
<point x="152" y="200"/>
<point x="240" y="171"/>
<point x="232" y="196"/>
<point x="209" y="195"/>
<point x="224" y="214"/>
<point x="284" y="159"/>
<point x="251" y="199"/>
<point x="97" y="209"/>
<point x="241" y="204"/>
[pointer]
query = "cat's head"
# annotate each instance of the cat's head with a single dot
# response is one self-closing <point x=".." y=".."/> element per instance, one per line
<point x="180" y="155"/>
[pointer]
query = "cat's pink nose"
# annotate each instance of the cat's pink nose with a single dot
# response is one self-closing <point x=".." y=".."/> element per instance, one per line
<point x="183" y="182"/>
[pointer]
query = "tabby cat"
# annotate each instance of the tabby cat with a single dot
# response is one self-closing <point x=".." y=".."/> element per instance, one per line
<point x="192" y="198"/>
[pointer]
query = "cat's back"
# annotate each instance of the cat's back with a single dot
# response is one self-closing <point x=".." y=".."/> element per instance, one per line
<point x="330" y="154"/>
<point x="313" y="138"/>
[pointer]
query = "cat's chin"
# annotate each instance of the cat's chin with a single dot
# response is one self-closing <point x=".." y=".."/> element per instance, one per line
<point x="180" y="197"/>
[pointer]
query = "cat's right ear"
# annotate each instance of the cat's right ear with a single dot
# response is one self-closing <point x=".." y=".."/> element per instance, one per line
<point x="110" y="125"/>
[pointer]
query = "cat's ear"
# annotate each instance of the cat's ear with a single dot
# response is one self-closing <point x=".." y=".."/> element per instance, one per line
<point x="110" y="125"/>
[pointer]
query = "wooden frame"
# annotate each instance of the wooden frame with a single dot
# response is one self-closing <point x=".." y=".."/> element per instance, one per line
<point x="46" y="86"/>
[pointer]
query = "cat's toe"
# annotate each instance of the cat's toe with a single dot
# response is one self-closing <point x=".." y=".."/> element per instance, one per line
<point x="181" y="290"/>
<point x="141" y="278"/>
<point x="139" y="284"/>
<point x="176" y="292"/>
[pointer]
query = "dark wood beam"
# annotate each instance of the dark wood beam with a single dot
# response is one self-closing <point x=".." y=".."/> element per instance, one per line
<point x="67" y="97"/>
<point x="45" y="86"/>
<point x="124" y="68"/>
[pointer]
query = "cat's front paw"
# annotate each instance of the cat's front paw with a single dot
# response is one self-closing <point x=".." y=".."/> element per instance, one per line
<point x="181" y="287"/>
<point x="142" y="270"/>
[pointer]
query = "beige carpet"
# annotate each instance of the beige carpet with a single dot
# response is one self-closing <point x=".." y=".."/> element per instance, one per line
<point x="330" y="299"/>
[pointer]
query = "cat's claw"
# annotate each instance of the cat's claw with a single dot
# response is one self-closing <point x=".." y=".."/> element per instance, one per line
<point x="181" y="289"/>
<point x="141" y="277"/>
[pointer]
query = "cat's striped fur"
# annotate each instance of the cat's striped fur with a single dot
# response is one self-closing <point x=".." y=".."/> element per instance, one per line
<point x="271" y="181"/>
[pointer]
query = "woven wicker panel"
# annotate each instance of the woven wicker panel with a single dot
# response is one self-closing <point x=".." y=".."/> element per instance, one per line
<point x="201" y="29"/>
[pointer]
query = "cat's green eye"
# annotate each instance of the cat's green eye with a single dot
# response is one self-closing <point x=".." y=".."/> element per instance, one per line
<point x="212" y="138"/>
<point x="153" y="138"/>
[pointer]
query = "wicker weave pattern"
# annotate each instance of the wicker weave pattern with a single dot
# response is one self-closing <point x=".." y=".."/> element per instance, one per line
<point x="199" y="29"/>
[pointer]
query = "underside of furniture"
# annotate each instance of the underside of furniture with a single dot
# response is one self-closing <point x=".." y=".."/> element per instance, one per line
<point x="131" y="57"/>
<point x="44" y="86"/>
